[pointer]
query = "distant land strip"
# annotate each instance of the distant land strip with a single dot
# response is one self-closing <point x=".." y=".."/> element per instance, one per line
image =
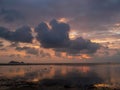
<point x="81" y="64"/>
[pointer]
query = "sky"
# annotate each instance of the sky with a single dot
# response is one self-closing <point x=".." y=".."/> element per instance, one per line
<point x="58" y="31"/>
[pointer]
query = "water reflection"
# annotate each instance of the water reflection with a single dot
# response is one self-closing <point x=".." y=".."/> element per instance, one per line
<point x="61" y="75"/>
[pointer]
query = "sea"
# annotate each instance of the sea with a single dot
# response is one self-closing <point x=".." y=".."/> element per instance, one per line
<point x="59" y="76"/>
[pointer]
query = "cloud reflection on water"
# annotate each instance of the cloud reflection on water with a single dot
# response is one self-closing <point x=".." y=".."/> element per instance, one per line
<point x="72" y="75"/>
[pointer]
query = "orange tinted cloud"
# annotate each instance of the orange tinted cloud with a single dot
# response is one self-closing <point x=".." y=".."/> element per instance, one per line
<point x="63" y="20"/>
<point x="85" y="56"/>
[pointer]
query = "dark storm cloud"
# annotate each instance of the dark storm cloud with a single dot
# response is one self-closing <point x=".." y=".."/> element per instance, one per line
<point x="79" y="45"/>
<point x="22" y="34"/>
<point x="10" y="15"/>
<point x="83" y="45"/>
<point x="5" y="33"/>
<point x="58" y="38"/>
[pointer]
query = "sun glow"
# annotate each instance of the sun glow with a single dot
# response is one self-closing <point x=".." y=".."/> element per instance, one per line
<point x="85" y="56"/>
<point x="73" y="35"/>
<point x="63" y="20"/>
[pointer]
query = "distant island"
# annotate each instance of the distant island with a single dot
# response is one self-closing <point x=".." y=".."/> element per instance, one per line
<point x="15" y="62"/>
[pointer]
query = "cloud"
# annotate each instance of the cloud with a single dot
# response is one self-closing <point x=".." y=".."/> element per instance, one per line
<point x="107" y="55"/>
<point x="80" y="45"/>
<point x="44" y="54"/>
<point x="5" y="33"/>
<point x="1" y="44"/>
<point x="92" y="19"/>
<point x="33" y="51"/>
<point x="10" y="15"/>
<point x="22" y="34"/>
<point x="14" y="44"/>
<point x="3" y="49"/>
<point x="57" y="38"/>
<point x="83" y="14"/>
<point x="15" y="55"/>
<point x="28" y="50"/>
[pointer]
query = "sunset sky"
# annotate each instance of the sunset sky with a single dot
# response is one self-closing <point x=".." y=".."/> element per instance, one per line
<point x="60" y="31"/>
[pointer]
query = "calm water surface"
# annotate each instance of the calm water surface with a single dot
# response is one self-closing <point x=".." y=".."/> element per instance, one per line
<point x="61" y="74"/>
